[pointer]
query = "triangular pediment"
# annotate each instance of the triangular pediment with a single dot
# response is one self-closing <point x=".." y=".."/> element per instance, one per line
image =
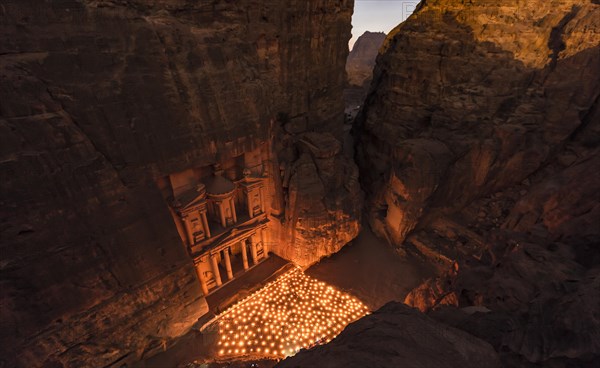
<point x="189" y="199"/>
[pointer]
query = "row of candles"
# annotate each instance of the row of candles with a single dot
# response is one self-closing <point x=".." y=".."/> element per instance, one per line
<point x="293" y="312"/>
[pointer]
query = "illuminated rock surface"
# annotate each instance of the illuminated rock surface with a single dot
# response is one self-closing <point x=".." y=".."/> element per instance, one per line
<point x="469" y="100"/>
<point x="478" y="148"/>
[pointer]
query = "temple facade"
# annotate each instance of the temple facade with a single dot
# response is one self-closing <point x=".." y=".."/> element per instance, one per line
<point x="221" y="217"/>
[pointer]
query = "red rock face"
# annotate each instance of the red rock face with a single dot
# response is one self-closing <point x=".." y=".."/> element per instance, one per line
<point x="478" y="144"/>
<point x="98" y="101"/>
<point x="464" y="112"/>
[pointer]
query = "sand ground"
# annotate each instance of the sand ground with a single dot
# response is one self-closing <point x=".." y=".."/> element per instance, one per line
<point x="372" y="270"/>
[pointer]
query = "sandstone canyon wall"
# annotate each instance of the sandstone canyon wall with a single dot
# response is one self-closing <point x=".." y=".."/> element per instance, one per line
<point x="99" y="102"/>
<point x="359" y="67"/>
<point x="361" y="59"/>
<point x="479" y="150"/>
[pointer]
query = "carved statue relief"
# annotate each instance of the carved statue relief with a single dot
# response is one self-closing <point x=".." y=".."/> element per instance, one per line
<point x="197" y="229"/>
<point x="228" y="216"/>
<point x="256" y="204"/>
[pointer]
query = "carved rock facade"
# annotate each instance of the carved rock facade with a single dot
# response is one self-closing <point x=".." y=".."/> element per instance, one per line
<point x="102" y="102"/>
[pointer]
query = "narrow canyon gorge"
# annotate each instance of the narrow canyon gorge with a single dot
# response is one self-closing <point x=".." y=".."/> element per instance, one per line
<point x="221" y="183"/>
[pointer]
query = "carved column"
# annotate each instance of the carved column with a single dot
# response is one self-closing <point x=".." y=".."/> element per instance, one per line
<point x="262" y="200"/>
<point x="228" y="264"/>
<point x="202" y="280"/>
<point x="244" y="254"/>
<point x="249" y="202"/>
<point x="188" y="231"/>
<point x="205" y="224"/>
<point x="215" y="268"/>
<point x="232" y="206"/>
<point x="222" y="214"/>
<point x="253" y="249"/>
<point x="264" y="243"/>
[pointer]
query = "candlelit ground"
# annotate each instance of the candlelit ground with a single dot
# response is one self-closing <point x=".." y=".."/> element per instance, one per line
<point x="291" y="313"/>
<point x="368" y="269"/>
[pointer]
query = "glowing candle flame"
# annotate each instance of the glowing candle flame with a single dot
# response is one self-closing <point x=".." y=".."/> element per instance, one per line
<point x="293" y="312"/>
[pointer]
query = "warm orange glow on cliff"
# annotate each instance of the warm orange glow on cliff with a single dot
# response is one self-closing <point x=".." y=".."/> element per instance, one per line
<point x="289" y="314"/>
